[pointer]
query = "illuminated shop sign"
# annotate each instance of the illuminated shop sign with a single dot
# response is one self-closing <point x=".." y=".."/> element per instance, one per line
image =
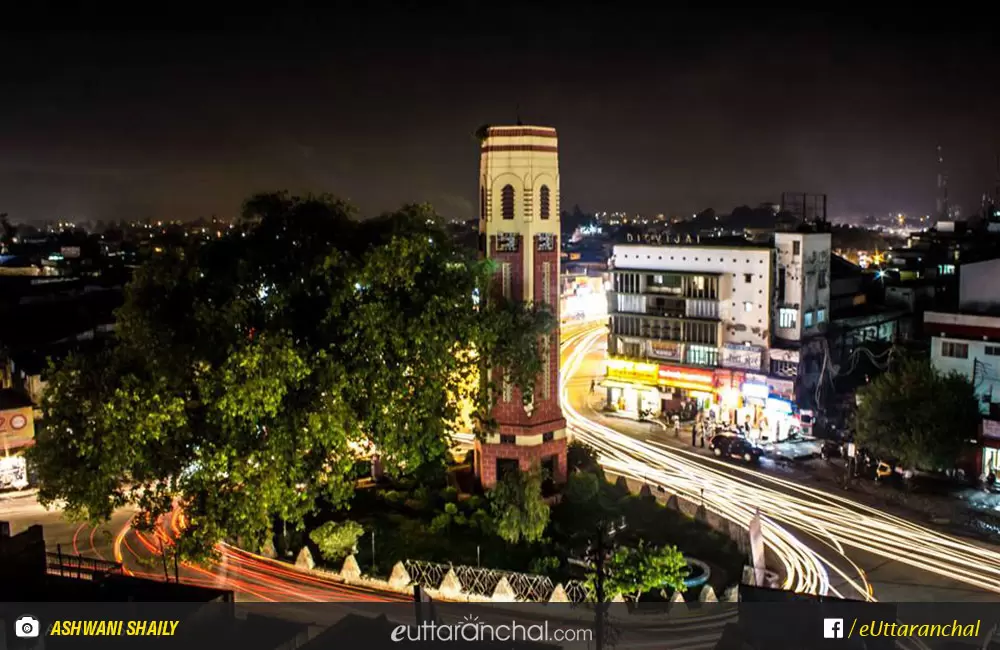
<point x="779" y="406"/>
<point x="673" y="376"/>
<point x="756" y="391"/>
<point x="632" y="371"/>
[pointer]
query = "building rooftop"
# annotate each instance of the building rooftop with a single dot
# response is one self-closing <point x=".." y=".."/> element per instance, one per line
<point x="841" y="268"/>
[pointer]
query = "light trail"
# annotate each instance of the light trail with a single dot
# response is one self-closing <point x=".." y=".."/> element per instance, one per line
<point x="792" y="514"/>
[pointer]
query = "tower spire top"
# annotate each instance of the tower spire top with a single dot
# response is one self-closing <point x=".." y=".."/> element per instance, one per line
<point x="517" y="113"/>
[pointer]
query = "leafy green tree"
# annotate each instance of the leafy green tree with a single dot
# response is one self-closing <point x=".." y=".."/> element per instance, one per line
<point x="337" y="539"/>
<point x="582" y="457"/>
<point x="634" y="570"/>
<point x="519" y="511"/>
<point x="917" y="415"/>
<point x="248" y="371"/>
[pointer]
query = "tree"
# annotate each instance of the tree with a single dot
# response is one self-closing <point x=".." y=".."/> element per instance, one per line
<point x="519" y="511"/>
<point x="917" y="415"/>
<point x="583" y="458"/>
<point x="248" y="371"/>
<point x="633" y="570"/>
<point x="337" y="539"/>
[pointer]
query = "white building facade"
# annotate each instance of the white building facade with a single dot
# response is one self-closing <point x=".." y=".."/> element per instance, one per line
<point x="695" y="324"/>
<point x="968" y="343"/>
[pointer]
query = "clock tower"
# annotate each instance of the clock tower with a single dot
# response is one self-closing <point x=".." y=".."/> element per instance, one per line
<point x="519" y="230"/>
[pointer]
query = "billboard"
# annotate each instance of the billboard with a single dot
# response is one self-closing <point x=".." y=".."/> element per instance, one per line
<point x="17" y="428"/>
<point x="665" y="350"/>
<point x="742" y="357"/>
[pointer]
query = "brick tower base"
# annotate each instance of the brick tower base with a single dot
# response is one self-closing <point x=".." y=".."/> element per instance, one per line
<point x="550" y="455"/>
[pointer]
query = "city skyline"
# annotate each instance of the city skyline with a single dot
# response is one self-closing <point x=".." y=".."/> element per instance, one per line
<point x="712" y="112"/>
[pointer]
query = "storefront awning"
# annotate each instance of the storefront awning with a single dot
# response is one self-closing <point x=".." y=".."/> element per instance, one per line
<point x="611" y="383"/>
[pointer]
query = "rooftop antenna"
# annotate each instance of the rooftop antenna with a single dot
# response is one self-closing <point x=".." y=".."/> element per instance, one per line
<point x="517" y="110"/>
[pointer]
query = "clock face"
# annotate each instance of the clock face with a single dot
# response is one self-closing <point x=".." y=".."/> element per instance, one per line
<point x="546" y="241"/>
<point x="507" y="242"/>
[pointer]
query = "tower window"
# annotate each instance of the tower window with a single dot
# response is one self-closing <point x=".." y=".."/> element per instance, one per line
<point x="543" y="202"/>
<point x="507" y="201"/>
<point x="482" y="202"/>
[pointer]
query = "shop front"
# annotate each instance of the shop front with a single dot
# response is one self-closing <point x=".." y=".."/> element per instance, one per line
<point x="631" y="387"/>
<point x="990" y="448"/>
<point x="779" y="419"/>
<point x="691" y="388"/>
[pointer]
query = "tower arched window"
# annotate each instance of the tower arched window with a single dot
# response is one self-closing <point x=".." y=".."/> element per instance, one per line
<point x="482" y="202"/>
<point x="544" y="202"/>
<point x="507" y="201"/>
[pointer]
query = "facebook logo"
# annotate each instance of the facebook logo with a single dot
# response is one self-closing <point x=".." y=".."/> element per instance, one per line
<point x="833" y="628"/>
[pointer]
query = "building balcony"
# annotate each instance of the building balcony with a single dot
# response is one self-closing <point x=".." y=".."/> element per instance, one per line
<point x="701" y="308"/>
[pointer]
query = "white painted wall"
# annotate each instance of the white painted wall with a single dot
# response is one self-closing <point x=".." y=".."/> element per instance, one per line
<point x="978" y="285"/>
<point x="807" y="282"/>
<point x="987" y="379"/>
<point x="733" y="265"/>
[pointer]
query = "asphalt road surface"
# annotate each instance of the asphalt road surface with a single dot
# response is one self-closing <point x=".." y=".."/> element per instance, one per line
<point x="822" y="542"/>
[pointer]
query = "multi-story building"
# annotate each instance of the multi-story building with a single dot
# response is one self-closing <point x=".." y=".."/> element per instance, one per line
<point x="721" y="326"/>
<point x="519" y="230"/>
<point x="968" y="342"/>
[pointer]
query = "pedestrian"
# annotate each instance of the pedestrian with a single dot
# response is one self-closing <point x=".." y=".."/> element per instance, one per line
<point x="694" y="433"/>
<point x="677" y="426"/>
<point x="593" y="385"/>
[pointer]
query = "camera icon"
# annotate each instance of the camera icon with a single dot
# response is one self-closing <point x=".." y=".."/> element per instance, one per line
<point x="26" y="627"/>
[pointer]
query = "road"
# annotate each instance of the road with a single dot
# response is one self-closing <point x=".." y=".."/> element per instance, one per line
<point x="824" y="542"/>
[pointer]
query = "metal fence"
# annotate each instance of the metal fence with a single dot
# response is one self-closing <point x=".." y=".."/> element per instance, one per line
<point x="78" y="566"/>
<point x="483" y="582"/>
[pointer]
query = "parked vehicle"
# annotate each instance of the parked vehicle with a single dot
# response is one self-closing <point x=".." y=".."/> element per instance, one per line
<point x="725" y="445"/>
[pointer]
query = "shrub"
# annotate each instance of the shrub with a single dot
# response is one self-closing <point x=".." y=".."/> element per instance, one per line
<point x="336" y="540"/>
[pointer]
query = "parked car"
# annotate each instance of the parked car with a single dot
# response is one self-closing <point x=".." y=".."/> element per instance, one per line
<point x="725" y="445"/>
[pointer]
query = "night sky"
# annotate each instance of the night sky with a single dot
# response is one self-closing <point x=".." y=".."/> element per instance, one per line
<point x="668" y="112"/>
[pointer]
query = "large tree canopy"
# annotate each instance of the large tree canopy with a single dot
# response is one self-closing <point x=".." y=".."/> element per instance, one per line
<point x="246" y="372"/>
<point x="917" y="415"/>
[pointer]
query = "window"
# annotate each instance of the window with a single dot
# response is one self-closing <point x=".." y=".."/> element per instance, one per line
<point x="507" y="201"/>
<point x="482" y="202"/>
<point x="820" y="316"/>
<point x="796" y="248"/>
<point x="954" y="350"/>
<point x="547" y="283"/>
<point x="548" y="436"/>
<point x="543" y="202"/>
<point x="507" y="439"/>
<point x="807" y="319"/>
<point x="993" y="350"/>
<point x="781" y="285"/>
<point x="748" y="306"/>
<point x="821" y="279"/>
<point x="700" y="355"/>
<point x="748" y="277"/>
<point x="786" y="318"/>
